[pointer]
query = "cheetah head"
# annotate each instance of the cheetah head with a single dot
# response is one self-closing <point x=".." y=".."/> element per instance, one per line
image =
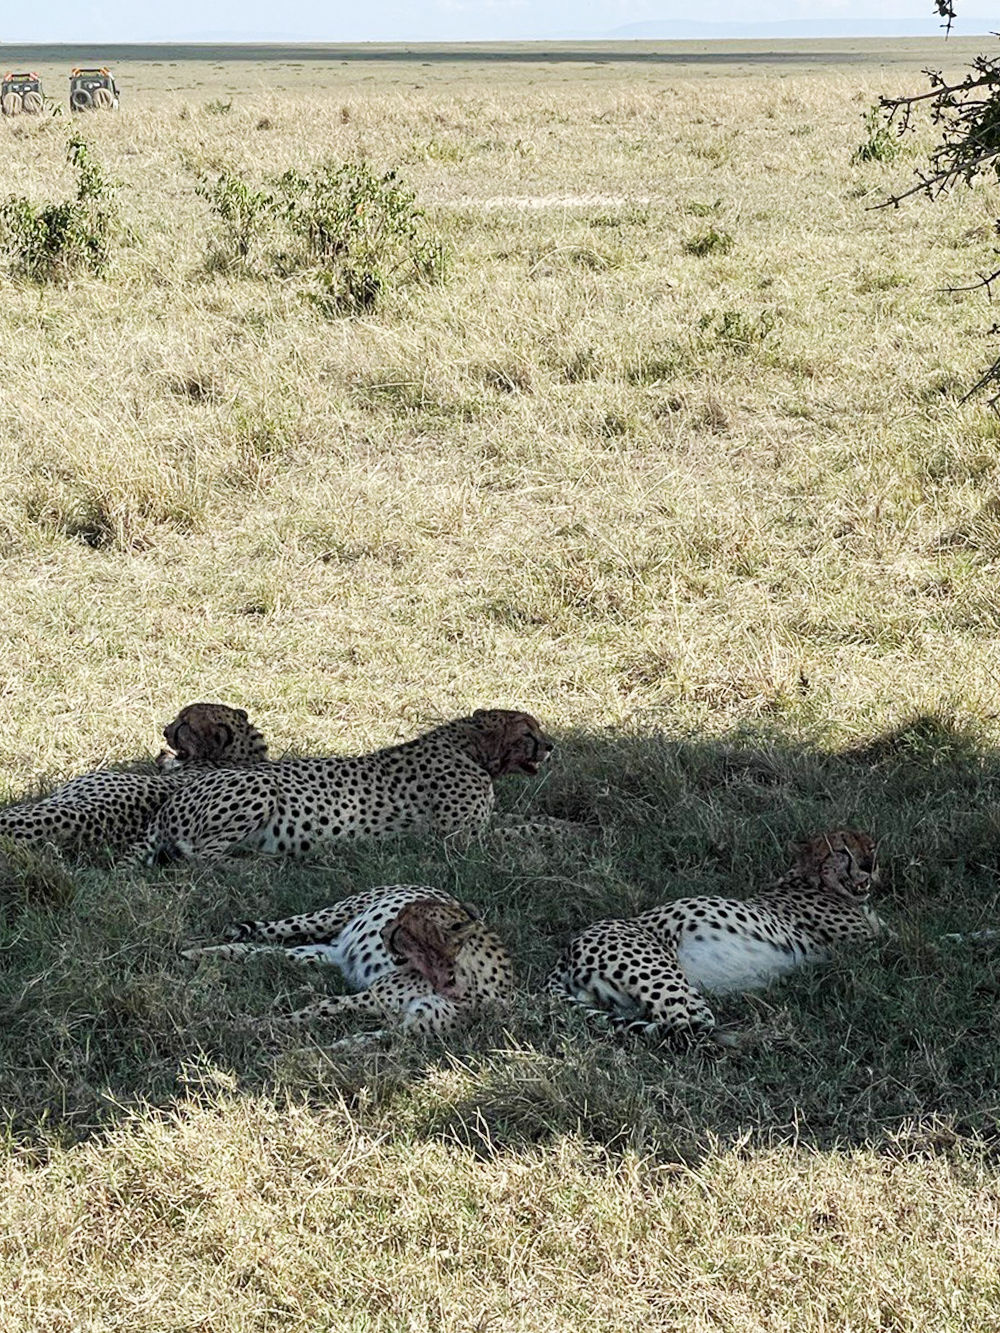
<point x="843" y="860"/>
<point x="216" y="733"/>
<point x="429" y="935"/>
<point x="509" y="742"/>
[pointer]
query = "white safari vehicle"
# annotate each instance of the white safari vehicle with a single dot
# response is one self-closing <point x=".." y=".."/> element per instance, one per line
<point x="92" y="90"/>
<point x="21" y="94"/>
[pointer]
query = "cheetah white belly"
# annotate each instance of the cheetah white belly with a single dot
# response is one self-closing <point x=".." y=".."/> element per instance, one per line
<point x="721" y="962"/>
<point x="359" y="953"/>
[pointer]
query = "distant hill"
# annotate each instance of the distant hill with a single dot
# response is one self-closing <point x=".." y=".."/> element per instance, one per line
<point x="229" y="36"/>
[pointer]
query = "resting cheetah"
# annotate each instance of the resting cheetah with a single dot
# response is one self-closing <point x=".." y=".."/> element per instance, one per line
<point x="414" y="954"/>
<point x="110" y="808"/>
<point x="440" y="782"/>
<point x="648" y="972"/>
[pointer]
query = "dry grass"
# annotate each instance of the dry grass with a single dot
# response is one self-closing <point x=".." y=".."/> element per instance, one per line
<point x="717" y="515"/>
<point x="184" y="1223"/>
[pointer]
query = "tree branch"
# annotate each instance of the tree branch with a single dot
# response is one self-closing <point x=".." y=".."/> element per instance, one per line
<point x="946" y="10"/>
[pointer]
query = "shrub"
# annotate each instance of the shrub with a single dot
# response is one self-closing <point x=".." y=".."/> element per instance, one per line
<point x="737" y="329"/>
<point x="881" y="145"/>
<point x="49" y="242"/>
<point x="359" y="232"/>
<point x="245" y="212"/>
<point x="363" y="229"/>
<point x="699" y="209"/>
<point x="709" y="242"/>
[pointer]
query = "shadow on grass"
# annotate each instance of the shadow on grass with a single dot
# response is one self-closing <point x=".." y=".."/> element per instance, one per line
<point x="893" y="1046"/>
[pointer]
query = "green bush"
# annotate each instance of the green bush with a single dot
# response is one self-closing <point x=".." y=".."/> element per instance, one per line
<point x="246" y="214"/>
<point x="881" y="145"/>
<point x="737" y="329"/>
<point x="358" y="231"/>
<point x="49" y="242"/>
<point x="700" y="209"/>
<point x="361" y="228"/>
<point x="709" y="242"/>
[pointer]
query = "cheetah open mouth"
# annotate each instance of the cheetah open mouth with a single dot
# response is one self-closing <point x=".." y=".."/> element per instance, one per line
<point x="538" y="752"/>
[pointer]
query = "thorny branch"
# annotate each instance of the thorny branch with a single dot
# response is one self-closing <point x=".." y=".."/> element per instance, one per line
<point x="946" y="10"/>
<point x="967" y="116"/>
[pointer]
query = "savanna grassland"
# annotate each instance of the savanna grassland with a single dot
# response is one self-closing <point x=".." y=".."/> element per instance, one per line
<point x="669" y="447"/>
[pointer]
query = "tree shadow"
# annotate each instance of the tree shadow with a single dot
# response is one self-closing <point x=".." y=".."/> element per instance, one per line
<point x="892" y="1046"/>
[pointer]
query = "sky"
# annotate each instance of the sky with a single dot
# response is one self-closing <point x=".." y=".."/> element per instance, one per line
<point x="471" y="20"/>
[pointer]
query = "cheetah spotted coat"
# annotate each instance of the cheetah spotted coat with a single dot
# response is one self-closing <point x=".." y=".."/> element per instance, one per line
<point x="441" y="782"/>
<point x="414" y="955"/>
<point x="648" y="972"/>
<point x="113" y="809"/>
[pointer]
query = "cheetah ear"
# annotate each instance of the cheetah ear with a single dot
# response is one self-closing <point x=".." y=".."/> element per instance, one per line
<point x="867" y="845"/>
<point x="865" y="853"/>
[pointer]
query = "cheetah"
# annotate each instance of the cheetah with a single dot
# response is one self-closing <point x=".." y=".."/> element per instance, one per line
<point x="112" y="808"/>
<point x="647" y="973"/>
<point x="441" y="782"/>
<point x="414" y="955"/>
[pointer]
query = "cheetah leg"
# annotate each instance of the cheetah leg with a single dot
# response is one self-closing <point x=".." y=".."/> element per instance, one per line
<point x="307" y="955"/>
<point x="309" y="927"/>
<point x="323" y="926"/>
<point x="402" y="996"/>
<point x="661" y="1000"/>
<point x="423" y="1018"/>
<point x="209" y="818"/>
<point x="530" y="826"/>
<point x="679" y="1010"/>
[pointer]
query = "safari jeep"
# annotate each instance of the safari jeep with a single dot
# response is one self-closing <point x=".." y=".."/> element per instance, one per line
<point x="21" y="94"/>
<point x="92" y="90"/>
